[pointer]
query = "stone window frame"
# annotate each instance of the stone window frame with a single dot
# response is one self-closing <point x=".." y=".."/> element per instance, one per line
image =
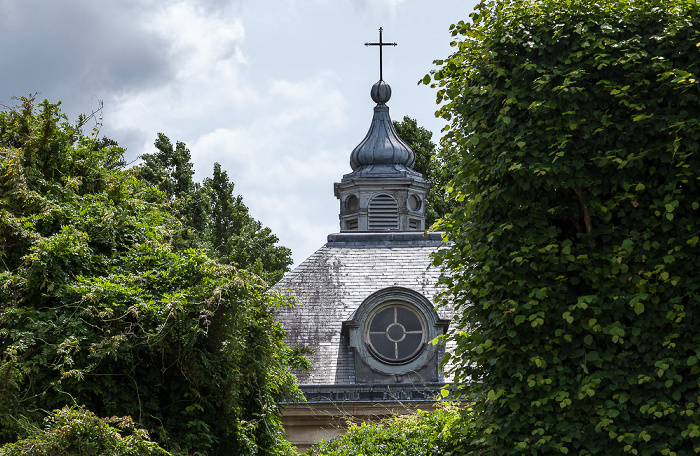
<point x="357" y="329"/>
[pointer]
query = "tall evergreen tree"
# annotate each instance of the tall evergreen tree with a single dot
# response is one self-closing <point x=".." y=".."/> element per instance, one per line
<point x="212" y="216"/>
<point x="236" y="237"/>
<point x="170" y="168"/>
<point x="227" y="213"/>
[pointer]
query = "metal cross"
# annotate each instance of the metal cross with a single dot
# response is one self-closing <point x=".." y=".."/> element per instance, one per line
<point x="381" y="44"/>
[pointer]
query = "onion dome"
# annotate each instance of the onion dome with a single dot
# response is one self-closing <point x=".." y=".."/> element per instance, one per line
<point x="382" y="145"/>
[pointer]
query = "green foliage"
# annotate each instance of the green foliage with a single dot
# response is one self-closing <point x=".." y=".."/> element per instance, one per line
<point x="429" y="165"/>
<point x="101" y="306"/>
<point x="71" y="432"/>
<point x="169" y="168"/>
<point x="212" y="216"/>
<point x="574" y="146"/>
<point x="415" y="434"/>
<point x="236" y="237"/>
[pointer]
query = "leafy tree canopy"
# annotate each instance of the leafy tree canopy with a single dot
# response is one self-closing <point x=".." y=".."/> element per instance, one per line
<point x="574" y="147"/>
<point x="102" y="306"/>
<point x="429" y="165"/>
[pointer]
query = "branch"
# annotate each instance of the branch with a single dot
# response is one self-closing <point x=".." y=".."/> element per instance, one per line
<point x="586" y="215"/>
<point x="98" y="122"/>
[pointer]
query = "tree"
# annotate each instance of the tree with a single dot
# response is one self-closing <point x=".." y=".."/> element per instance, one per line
<point x="573" y="144"/>
<point x="212" y="216"/>
<point x="429" y="165"/>
<point x="236" y="237"/>
<point x="169" y="168"/>
<point x="99" y="307"/>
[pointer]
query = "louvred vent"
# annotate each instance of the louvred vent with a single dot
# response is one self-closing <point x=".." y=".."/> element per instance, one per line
<point x="383" y="213"/>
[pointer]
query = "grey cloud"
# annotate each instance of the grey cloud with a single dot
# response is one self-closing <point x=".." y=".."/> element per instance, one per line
<point x="76" y="51"/>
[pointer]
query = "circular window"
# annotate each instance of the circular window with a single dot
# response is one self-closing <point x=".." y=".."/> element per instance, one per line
<point x="396" y="333"/>
<point x="352" y="203"/>
<point x="414" y="202"/>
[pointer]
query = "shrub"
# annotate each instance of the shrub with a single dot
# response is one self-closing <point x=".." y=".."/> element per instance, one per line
<point x="77" y="432"/>
<point x="417" y="434"/>
<point x="574" y="145"/>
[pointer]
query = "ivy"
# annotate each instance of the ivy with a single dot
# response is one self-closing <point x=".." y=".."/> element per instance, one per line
<point x="573" y="144"/>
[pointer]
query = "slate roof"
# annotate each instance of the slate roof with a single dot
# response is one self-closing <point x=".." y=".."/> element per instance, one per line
<point x="332" y="283"/>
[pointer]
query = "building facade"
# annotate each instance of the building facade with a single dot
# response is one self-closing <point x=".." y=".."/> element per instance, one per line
<point x="365" y="300"/>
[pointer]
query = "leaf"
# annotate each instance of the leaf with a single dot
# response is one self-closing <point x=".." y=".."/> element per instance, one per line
<point x="627" y="244"/>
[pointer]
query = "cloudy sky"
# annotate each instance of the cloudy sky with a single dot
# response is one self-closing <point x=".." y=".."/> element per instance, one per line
<point x="277" y="91"/>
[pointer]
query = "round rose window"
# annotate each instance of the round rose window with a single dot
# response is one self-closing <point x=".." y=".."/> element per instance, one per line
<point x="396" y="333"/>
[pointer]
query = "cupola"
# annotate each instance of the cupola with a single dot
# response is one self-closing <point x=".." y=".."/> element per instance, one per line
<point x="383" y="192"/>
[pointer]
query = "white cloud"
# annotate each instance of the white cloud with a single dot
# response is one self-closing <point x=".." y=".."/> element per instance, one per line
<point x="204" y="48"/>
<point x="382" y="9"/>
<point x="285" y="161"/>
<point x="198" y="37"/>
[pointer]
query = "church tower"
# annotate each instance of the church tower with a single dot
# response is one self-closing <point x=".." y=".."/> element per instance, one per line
<point x="365" y="300"/>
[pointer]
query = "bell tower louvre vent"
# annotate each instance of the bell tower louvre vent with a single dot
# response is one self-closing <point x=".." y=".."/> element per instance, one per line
<point x="383" y="213"/>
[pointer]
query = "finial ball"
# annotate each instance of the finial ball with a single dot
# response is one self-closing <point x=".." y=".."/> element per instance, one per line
<point x="381" y="92"/>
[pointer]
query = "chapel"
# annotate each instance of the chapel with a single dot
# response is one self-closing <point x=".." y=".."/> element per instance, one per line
<point x="366" y="299"/>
